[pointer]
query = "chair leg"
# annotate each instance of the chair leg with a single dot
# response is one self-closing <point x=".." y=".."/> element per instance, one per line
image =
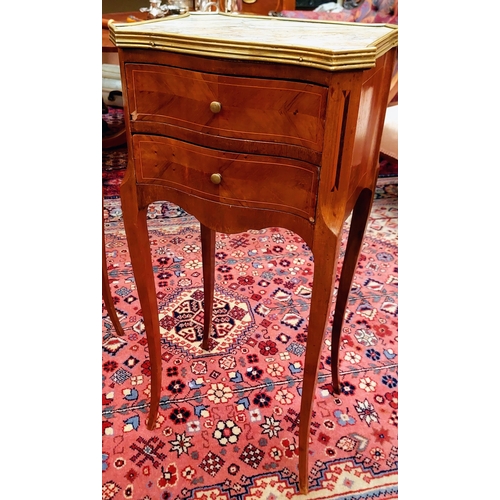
<point x="106" y="292"/>
<point x="117" y="139"/>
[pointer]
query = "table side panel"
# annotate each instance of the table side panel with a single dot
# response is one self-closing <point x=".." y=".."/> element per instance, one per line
<point x="372" y="109"/>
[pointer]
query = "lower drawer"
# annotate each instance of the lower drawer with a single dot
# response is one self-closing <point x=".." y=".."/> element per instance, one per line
<point x="253" y="181"/>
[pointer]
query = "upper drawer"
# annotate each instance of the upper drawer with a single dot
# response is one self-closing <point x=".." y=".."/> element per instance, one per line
<point x="254" y="109"/>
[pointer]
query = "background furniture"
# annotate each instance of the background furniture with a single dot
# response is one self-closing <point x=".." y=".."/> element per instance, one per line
<point x="261" y="7"/>
<point x="110" y="67"/>
<point x="106" y="292"/>
<point x="389" y="142"/>
<point x="250" y="123"/>
<point x="367" y="11"/>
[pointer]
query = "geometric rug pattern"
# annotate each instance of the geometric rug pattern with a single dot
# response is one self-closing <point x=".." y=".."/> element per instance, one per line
<point x="229" y="417"/>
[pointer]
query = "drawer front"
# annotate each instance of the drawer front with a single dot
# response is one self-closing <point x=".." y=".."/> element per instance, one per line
<point x="254" y="109"/>
<point x="253" y="181"/>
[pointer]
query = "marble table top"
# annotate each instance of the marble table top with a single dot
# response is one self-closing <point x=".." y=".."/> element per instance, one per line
<point x="327" y="45"/>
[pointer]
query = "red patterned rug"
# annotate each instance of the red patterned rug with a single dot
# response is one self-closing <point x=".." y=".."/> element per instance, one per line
<point x="228" y="423"/>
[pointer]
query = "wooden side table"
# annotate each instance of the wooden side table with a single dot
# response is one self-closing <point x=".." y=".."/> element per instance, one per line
<point x="249" y="122"/>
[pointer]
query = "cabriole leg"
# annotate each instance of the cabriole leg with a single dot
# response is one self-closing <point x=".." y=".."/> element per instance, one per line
<point x="135" y="222"/>
<point x="325" y="251"/>
<point x="360" y="214"/>
<point x="208" y="258"/>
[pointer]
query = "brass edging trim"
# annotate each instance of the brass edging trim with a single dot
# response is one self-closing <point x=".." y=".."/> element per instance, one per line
<point x="333" y="62"/>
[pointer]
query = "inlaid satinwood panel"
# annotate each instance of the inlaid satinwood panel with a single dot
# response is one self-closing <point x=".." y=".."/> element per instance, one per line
<point x="255" y="181"/>
<point x="254" y="109"/>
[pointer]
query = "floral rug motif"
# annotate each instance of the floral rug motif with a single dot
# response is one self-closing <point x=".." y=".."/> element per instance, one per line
<point x="229" y="418"/>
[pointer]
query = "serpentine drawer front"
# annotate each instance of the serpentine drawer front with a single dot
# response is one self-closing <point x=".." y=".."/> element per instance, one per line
<point x="226" y="177"/>
<point x="249" y="122"/>
<point x="244" y="108"/>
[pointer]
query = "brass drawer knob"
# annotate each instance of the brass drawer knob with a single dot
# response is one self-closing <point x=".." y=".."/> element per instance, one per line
<point x="216" y="178"/>
<point x="215" y="107"/>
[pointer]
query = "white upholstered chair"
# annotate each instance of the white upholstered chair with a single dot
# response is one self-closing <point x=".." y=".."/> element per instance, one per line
<point x="389" y="142"/>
